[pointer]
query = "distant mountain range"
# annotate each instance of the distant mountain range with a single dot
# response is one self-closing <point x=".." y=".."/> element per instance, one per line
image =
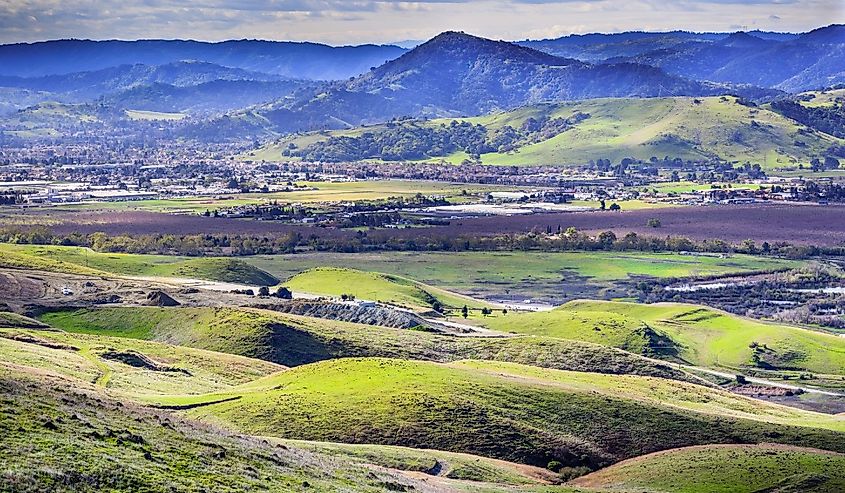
<point x="242" y="89"/>
<point x="455" y="74"/>
<point x="289" y="59"/>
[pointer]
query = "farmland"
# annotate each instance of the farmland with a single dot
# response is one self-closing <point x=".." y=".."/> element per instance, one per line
<point x="310" y="193"/>
<point x="547" y="276"/>
<point x="375" y="287"/>
<point x="795" y="224"/>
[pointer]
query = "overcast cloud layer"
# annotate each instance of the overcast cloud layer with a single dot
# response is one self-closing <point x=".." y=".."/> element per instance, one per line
<point x="366" y="21"/>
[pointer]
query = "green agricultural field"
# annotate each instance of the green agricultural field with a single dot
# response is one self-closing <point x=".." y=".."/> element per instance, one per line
<point x="386" y="288"/>
<point x="725" y="469"/>
<point x="79" y="260"/>
<point x="523" y="274"/>
<point x="575" y="418"/>
<point x="689" y="128"/>
<point x="694" y="334"/>
<point x="128" y="366"/>
<point x="313" y="193"/>
<point x="293" y="340"/>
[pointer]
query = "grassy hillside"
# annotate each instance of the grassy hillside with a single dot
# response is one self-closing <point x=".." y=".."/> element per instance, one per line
<point x="692" y="128"/>
<point x="698" y="335"/>
<point x="725" y="469"/>
<point x="59" y="435"/>
<point x="374" y="286"/>
<point x="507" y="411"/>
<point x="129" y="367"/>
<point x="78" y="260"/>
<point x="293" y="340"/>
<point x="825" y="99"/>
<point x="449" y="465"/>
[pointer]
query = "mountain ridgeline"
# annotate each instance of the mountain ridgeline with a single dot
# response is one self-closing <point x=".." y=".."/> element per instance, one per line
<point x="239" y="90"/>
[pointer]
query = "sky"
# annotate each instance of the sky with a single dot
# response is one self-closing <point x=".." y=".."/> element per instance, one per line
<point x="340" y="22"/>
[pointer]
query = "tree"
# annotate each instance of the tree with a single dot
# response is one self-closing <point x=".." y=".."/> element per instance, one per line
<point x="465" y="311"/>
<point x="284" y="293"/>
<point x="486" y="311"/>
<point x="263" y="291"/>
<point x="615" y="207"/>
<point x="653" y="223"/>
<point x="606" y="239"/>
<point x="504" y="311"/>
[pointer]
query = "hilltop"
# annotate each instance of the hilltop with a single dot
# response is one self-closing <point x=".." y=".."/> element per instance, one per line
<point x="456" y="74"/>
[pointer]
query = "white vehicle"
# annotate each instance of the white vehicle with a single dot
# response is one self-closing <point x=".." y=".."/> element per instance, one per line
<point x="67" y="291"/>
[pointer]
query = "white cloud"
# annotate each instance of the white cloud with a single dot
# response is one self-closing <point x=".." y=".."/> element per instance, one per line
<point x="357" y="21"/>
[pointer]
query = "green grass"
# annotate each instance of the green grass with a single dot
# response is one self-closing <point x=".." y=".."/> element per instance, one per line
<point x="528" y="274"/>
<point x="835" y="97"/>
<point x="454" y="465"/>
<point x="373" y="286"/>
<point x="502" y="410"/>
<point x="293" y="340"/>
<point x="59" y="435"/>
<point x="100" y="360"/>
<point x="15" y="321"/>
<point x="79" y="260"/>
<point x="642" y="128"/>
<point x="725" y="469"/>
<point x="701" y="336"/>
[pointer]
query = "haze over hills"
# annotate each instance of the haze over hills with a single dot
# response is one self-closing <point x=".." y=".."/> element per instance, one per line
<point x="290" y="59"/>
<point x="785" y="61"/>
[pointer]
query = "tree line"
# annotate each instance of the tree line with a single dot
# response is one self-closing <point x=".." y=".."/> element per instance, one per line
<point x="404" y="141"/>
<point x="546" y="239"/>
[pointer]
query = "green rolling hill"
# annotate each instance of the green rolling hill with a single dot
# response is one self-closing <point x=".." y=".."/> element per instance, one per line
<point x="691" y="333"/>
<point x="374" y="286"/>
<point x="688" y="128"/>
<point x="506" y="411"/>
<point x="129" y="367"/>
<point x="61" y="435"/>
<point x="725" y="469"/>
<point x="79" y="260"/>
<point x="293" y="340"/>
